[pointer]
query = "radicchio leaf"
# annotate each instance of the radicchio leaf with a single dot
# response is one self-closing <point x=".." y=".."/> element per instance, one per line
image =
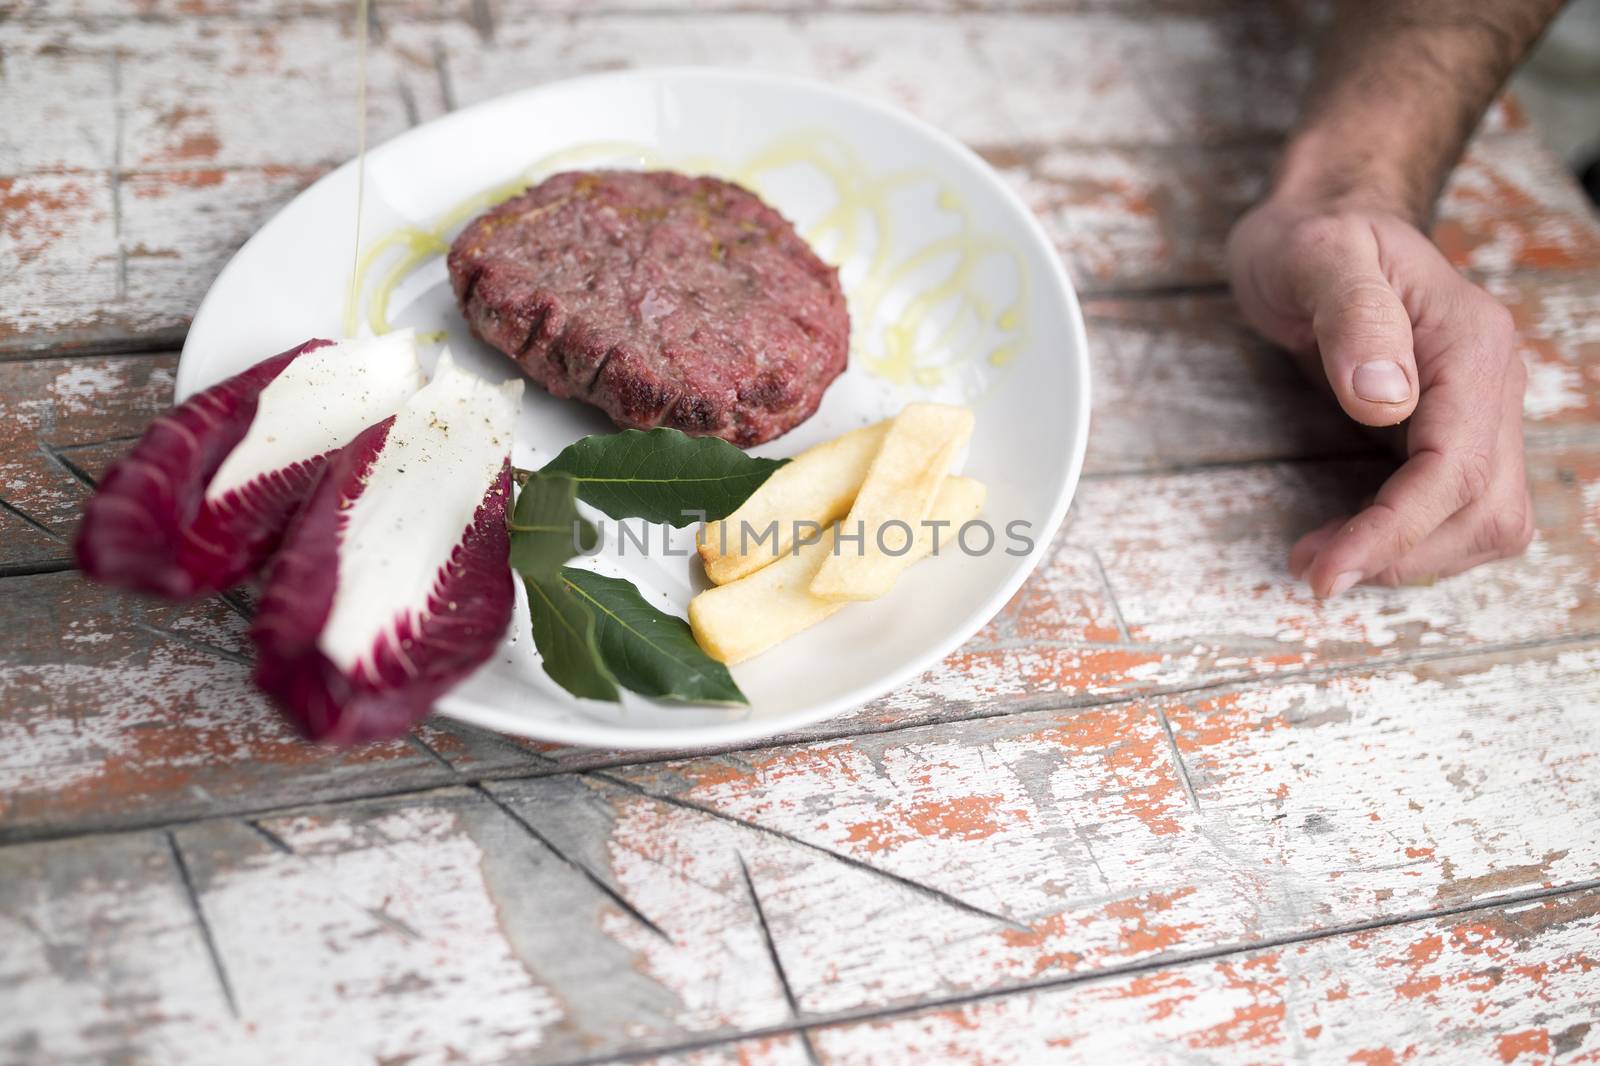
<point x="203" y="497"/>
<point x="393" y="582"/>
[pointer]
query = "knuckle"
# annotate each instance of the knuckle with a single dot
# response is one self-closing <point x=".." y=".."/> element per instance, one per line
<point x="1507" y="530"/>
<point x="1397" y="532"/>
<point x="1389" y="577"/>
<point x="1522" y="528"/>
<point x="1475" y="472"/>
<point x="1498" y="324"/>
<point x="1326" y="235"/>
<point x="1400" y="540"/>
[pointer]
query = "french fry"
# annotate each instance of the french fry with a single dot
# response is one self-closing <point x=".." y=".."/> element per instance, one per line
<point x="899" y="489"/>
<point x="744" y="618"/>
<point x="818" y="485"/>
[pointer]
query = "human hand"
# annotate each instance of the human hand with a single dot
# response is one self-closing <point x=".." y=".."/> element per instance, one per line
<point x="1368" y="303"/>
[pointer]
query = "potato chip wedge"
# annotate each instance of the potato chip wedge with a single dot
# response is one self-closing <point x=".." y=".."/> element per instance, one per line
<point x="875" y="538"/>
<point x="817" y="486"/>
<point x="744" y="618"/>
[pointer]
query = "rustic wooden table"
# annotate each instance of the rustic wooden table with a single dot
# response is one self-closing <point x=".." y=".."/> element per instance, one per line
<point x="1166" y="806"/>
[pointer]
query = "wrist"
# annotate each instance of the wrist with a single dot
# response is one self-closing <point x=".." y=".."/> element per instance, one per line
<point x="1322" y="173"/>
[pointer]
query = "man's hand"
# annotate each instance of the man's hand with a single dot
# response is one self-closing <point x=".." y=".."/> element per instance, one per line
<point x="1333" y="267"/>
<point x="1367" y="301"/>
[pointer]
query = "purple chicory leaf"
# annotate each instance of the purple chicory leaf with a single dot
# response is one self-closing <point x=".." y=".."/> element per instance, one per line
<point x="393" y="581"/>
<point x="202" y="498"/>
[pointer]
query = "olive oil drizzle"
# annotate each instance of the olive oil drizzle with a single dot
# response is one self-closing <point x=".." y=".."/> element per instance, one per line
<point x="363" y="14"/>
<point x="967" y="326"/>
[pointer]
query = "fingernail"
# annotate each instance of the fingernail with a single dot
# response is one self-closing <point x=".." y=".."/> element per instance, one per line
<point x="1381" y="381"/>
<point x="1342" y="583"/>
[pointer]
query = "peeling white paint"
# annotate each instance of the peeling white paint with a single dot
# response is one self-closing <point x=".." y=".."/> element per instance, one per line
<point x="1554" y="388"/>
<point x="380" y="941"/>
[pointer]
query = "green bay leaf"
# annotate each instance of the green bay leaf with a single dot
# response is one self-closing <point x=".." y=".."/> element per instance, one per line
<point x="649" y="651"/>
<point x="546" y="529"/>
<point x="662" y="475"/>
<point x="565" y="632"/>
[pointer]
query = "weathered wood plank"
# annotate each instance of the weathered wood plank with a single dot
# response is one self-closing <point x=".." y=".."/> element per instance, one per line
<point x="1099" y="79"/>
<point x="1516" y="207"/>
<point x="1124" y="219"/>
<point x="60" y="255"/>
<point x="1558" y="332"/>
<point x="1146" y="217"/>
<point x="784" y="1049"/>
<point x="179" y="228"/>
<point x="99" y="954"/>
<point x="1514" y="983"/>
<point x="433" y="928"/>
<point x="1192" y="568"/>
<point x="49" y="410"/>
<point x="147" y="10"/>
<point x="1182" y="381"/>
<point x="184" y="128"/>
<point x="61" y="104"/>
<point x="196" y="93"/>
<point x="1236" y="525"/>
<point x="1032" y="848"/>
<point x="121" y="711"/>
<point x="1038" y="845"/>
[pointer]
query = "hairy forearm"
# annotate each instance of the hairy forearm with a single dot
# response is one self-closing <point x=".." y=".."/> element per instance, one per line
<point x="1400" y="85"/>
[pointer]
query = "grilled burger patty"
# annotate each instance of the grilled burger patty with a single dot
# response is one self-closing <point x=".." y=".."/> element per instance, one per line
<point x="663" y="299"/>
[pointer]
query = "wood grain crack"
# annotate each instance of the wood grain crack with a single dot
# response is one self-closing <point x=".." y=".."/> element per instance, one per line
<point x="73" y="470"/>
<point x="431" y="752"/>
<point x="1177" y="758"/>
<point x="1111" y="596"/>
<point x="43" y="566"/>
<point x="849" y="860"/>
<point x="191" y="642"/>
<point x="551" y="768"/>
<point x="31" y="522"/>
<point x="441" y="66"/>
<point x="589" y="875"/>
<point x="377" y="914"/>
<point x="274" y="841"/>
<point x="772" y="953"/>
<point x="1156" y="963"/>
<point x="482" y="19"/>
<point x="204" y="926"/>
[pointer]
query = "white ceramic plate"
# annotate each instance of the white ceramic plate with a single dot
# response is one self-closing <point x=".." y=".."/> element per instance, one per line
<point x="955" y="292"/>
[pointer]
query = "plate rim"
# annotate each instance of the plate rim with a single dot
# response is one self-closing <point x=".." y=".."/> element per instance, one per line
<point x="596" y="734"/>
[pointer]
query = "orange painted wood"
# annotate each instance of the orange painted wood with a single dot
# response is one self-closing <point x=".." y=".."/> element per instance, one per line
<point x="121" y="711"/>
<point x="146" y="142"/>
<point x="872" y="874"/>
<point x="1512" y="984"/>
<point x="932" y="862"/>
<point x="1124" y="219"/>
<point x="61" y="421"/>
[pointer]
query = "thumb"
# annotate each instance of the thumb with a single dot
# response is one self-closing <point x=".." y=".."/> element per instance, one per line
<point x="1363" y="333"/>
